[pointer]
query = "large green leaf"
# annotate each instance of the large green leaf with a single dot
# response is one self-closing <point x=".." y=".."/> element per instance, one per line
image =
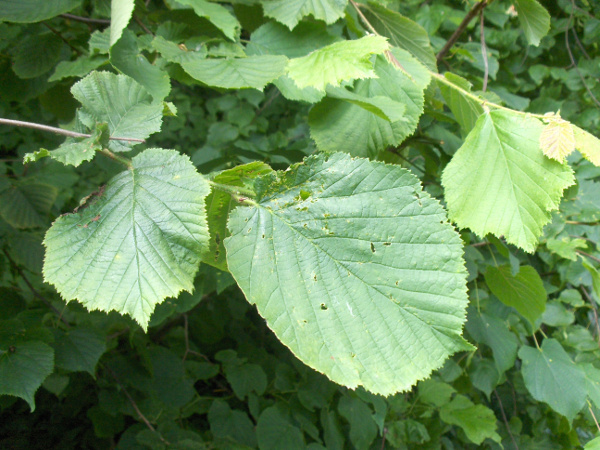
<point x="122" y="103"/>
<point x="524" y="291"/>
<point x="354" y="268"/>
<point x="27" y="11"/>
<point x="337" y="62"/>
<point x="135" y="242"/>
<point x="338" y="125"/>
<point x="401" y="31"/>
<point x="220" y="203"/>
<point x="534" y="19"/>
<point x="236" y="73"/>
<point x="120" y="15"/>
<point x="217" y="14"/>
<point x="23" y="368"/>
<point x="548" y="371"/>
<point x="500" y="182"/>
<point x="289" y="12"/>
<point x="126" y="57"/>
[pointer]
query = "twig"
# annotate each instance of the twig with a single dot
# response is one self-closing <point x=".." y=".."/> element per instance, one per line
<point x="579" y="44"/>
<point x="512" y="438"/>
<point x="34" y="290"/>
<point x="141" y="24"/>
<point x="593" y="415"/>
<point x="463" y="25"/>
<point x="38" y="126"/>
<point x="135" y="406"/>
<point x="588" y="255"/>
<point x="85" y="19"/>
<point x="486" y="68"/>
<point x="593" y="303"/>
<point x="62" y="38"/>
<point x="187" y="341"/>
<point x="573" y="59"/>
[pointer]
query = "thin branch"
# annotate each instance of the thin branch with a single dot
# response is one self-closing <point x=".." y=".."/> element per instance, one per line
<point x="187" y="341"/>
<point x="588" y="255"/>
<point x="512" y="438"/>
<point x="38" y="126"/>
<point x="593" y="303"/>
<point x="34" y="290"/>
<point x="463" y="25"/>
<point x="62" y="38"/>
<point x="85" y="19"/>
<point x="579" y="44"/>
<point x="593" y="415"/>
<point x="573" y="59"/>
<point x="486" y="68"/>
<point x="141" y="24"/>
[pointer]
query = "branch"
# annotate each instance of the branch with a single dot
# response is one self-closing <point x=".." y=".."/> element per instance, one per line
<point x="463" y="25"/>
<point x="38" y="126"/>
<point x="484" y="53"/>
<point x="85" y="19"/>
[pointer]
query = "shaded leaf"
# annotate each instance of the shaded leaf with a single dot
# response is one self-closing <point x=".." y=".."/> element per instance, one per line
<point x="524" y="291"/>
<point x="275" y="431"/>
<point x="217" y="14"/>
<point x="79" y="349"/>
<point x="136" y="242"/>
<point x="500" y="182"/>
<point x="545" y="372"/>
<point x="77" y="68"/>
<point x="379" y="273"/>
<point x="363" y="429"/>
<point x="477" y="421"/>
<point x="28" y="11"/>
<point x="37" y="54"/>
<point x="289" y="12"/>
<point x="227" y="423"/>
<point x="27" y="204"/>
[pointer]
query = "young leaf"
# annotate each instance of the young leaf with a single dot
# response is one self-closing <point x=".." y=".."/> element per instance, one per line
<point x="218" y="15"/>
<point x="477" y="421"/>
<point x="126" y="57"/>
<point x="524" y="291"/>
<point x="588" y="145"/>
<point x="219" y="204"/>
<point x="534" y="19"/>
<point x="120" y="15"/>
<point x="122" y="103"/>
<point x="289" y="12"/>
<point x="23" y="368"/>
<point x="29" y="11"/>
<point x="338" y="125"/>
<point x="545" y="372"/>
<point x="401" y="31"/>
<point x="341" y="61"/>
<point x="137" y="241"/>
<point x="500" y="182"/>
<point x="355" y="269"/>
<point x="557" y="139"/>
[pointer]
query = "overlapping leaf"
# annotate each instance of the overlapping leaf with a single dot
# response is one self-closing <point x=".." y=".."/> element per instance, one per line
<point x="122" y="103"/>
<point x="355" y="269"/>
<point x="120" y="15"/>
<point x="534" y="19"/>
<point x="27" y="11"/>
<point x="338" y="125"/>
<point x="136" y="241"/>
<point x="289" y="12"/>
<point x="217" y="14"/>
<point x="500" y="182"/>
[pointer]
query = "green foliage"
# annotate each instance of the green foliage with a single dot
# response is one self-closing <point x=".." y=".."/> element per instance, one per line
<point x="262" y="284"/>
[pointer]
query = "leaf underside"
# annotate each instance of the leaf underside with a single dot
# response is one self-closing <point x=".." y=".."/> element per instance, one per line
<point x="355" y="269"/>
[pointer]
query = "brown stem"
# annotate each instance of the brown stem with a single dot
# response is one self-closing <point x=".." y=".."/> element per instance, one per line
<point x="486" y="67"/>
<point x="38" y="126"/>
<point x="34" y="290"/>
<point x="463" y="25"/>
<point x="85" y="19"/>
<point x="505" y="419"/>
<point x="62" y="38"/>
<point x="588" y="255"/>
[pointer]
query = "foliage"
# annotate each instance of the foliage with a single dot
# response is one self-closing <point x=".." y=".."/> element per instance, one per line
<point x="416" y="232"/>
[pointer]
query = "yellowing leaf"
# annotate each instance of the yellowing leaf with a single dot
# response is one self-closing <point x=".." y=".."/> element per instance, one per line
<point x="341" y="61"/>
<point x="588" y="145"/>
<point x="557" y="139"/>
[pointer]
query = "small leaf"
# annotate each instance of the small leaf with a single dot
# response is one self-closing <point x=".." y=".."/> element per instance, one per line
<point x="23" y="368"/>
<point x="79" y="349"/>
<point x="137" y="241"/>
<point x="341" y="61"/>
<point x="120" y="15"/>
<point x="402" y="32"/>
<point x="588" y="145"/>
<point x="359" y="273"/>
<point x="557" y="139"/>
<point x="29" y="11"/>
<point x="218" y="15"/>
<point x="477" y="421"/>
<point x="122" y="103"/>
<point x="595" y="278"/>
<point x="534" y="18"/>
<point x="525" y="291"/>
<point x="126" y="57"/>
<point x="545" y="372"/>
<point x="500" y="182"/>
<point x="289" y="12"/>
<point x="77" y="68"/>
